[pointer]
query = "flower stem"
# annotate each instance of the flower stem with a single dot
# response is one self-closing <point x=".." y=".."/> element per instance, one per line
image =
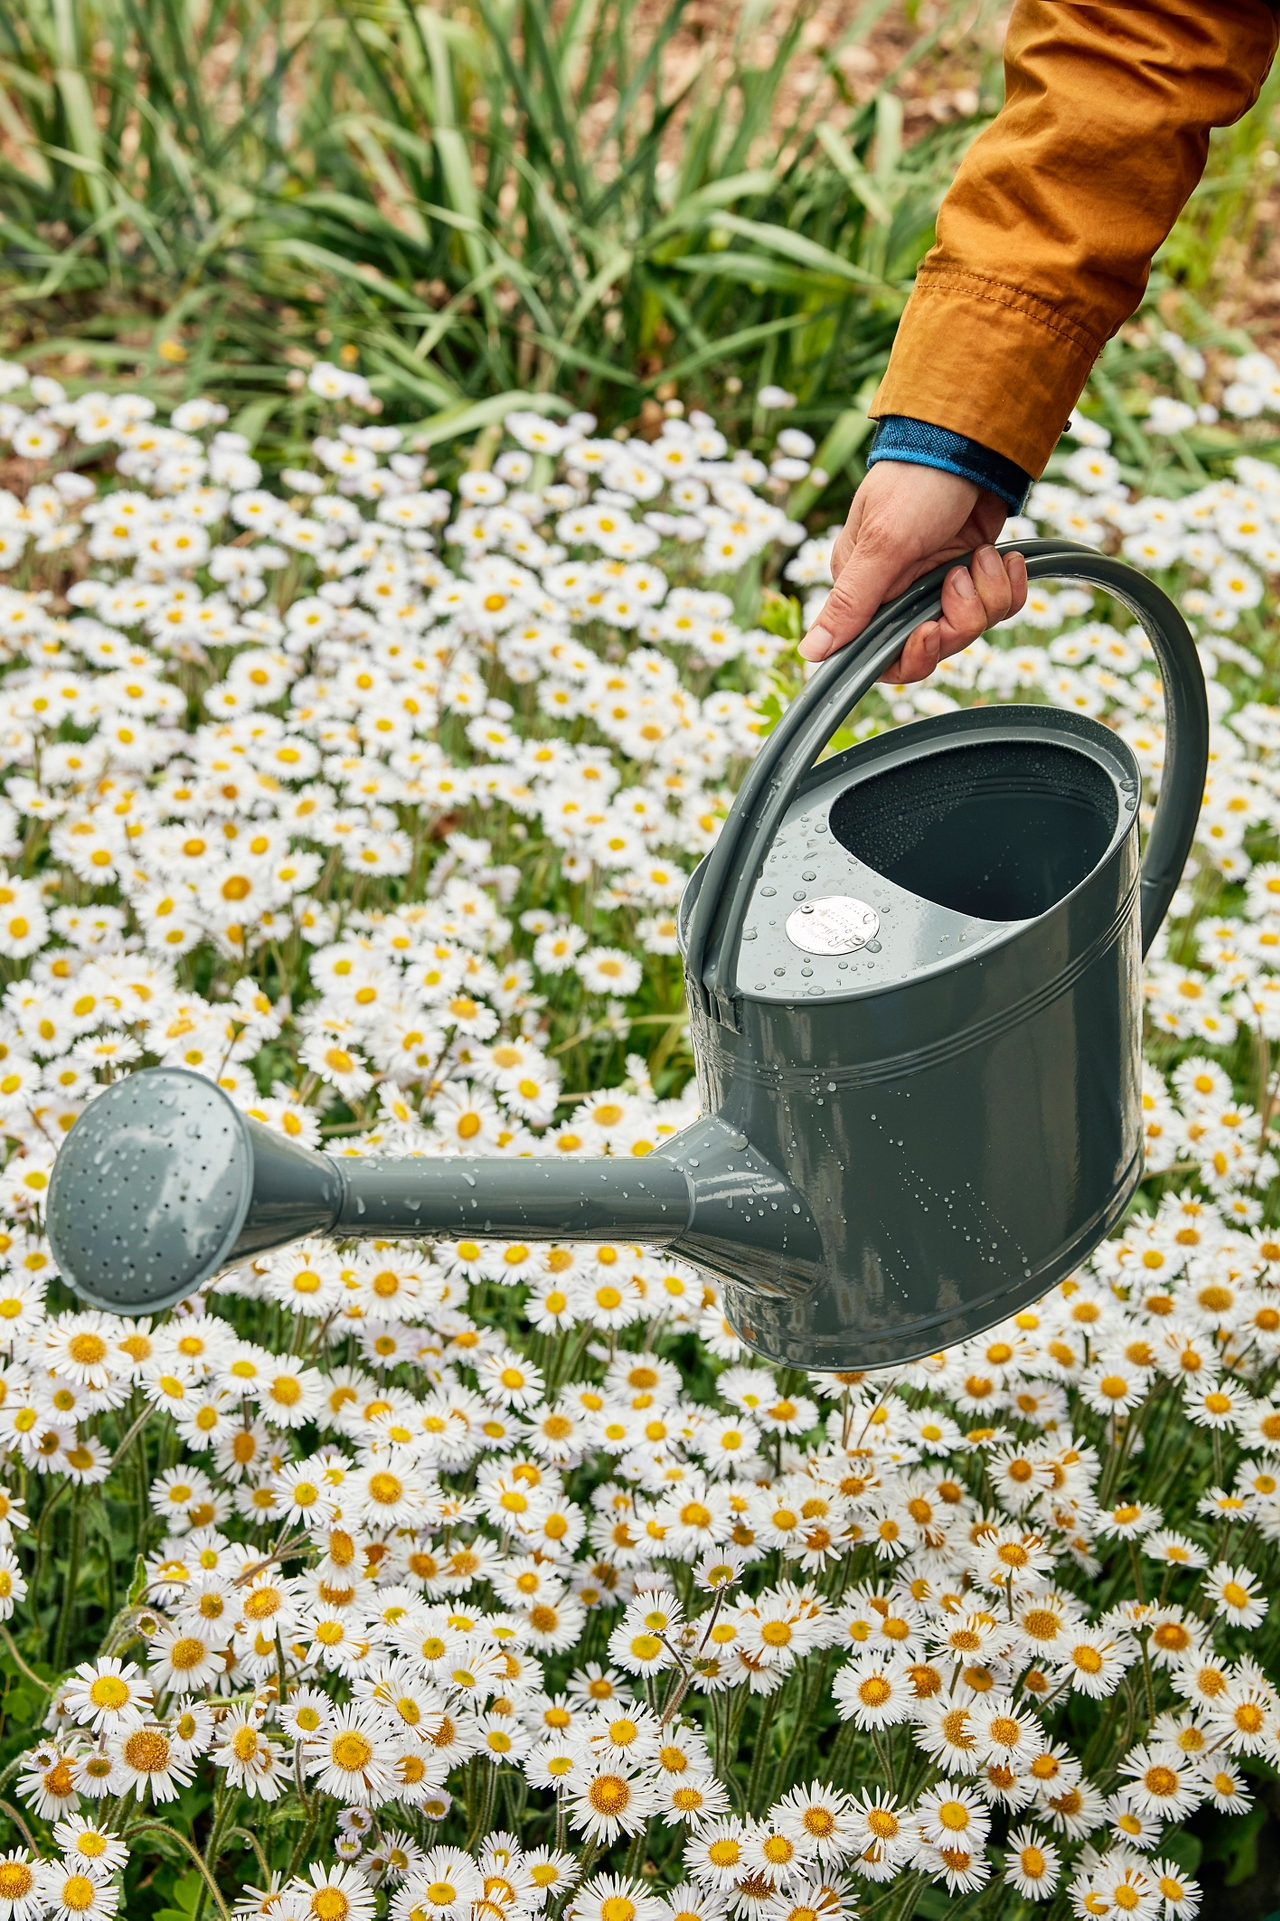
<point x="484" y="1817"/>
<point x="172" y="1833"/>
<point x="764" y="1732"/>
<point x="72" y="1582"/>
<point x="30" y="1673"/>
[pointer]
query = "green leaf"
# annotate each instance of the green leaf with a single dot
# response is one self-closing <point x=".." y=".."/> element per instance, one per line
<point x="452" y="422"/>
<point x="138" y="1585"/>
<point x="250" y="422"/>
<point x="758" y="273"/>
<point x="1233" y="1841"/>
<point x="369" y="276"/>
<point x="25" y="1706"/>
<point x="780" y="614"/>
<point x="734" y="344"/>
<point x="795" y="246"/>
<point x="852" y="170"/>
<point x="186" y="1893"/>
<point x="717" y="193"/>
<point x="1186" y="1848"/>
<point x="771" y="709"/>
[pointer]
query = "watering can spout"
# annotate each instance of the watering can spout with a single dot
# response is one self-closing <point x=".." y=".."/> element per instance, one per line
<point x="163" y="1183"/>
<point x="534" y="1200"/>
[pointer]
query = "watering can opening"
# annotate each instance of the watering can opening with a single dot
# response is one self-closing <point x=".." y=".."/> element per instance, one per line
<point x="998" y="830"/>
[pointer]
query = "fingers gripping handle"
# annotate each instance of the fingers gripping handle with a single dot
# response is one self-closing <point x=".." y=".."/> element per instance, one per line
<point x="734" y="864"/>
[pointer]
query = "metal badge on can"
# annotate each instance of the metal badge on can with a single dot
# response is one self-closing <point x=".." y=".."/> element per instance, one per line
<point x="836" y="924"/>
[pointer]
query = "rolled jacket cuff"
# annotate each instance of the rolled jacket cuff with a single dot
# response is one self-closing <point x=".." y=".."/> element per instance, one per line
<point x="987" y="360"/>
<point x="921" y="444"/>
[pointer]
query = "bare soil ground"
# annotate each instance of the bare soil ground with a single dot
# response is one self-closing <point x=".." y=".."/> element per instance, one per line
<point x="1248" y="293"/>
<point x="847" y="51"/>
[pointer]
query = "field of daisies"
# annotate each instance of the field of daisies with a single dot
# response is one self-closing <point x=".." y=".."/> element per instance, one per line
<point x="486" y="1582"/>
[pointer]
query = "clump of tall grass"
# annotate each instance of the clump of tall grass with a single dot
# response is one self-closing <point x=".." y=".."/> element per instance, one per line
<point x="512" y="197"/>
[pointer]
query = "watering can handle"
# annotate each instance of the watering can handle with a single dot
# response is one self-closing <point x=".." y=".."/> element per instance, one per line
<point x="734" y="863"/>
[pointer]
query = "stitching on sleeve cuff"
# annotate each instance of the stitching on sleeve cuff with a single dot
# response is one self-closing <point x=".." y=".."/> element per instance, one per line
<point x="921" y="444"/>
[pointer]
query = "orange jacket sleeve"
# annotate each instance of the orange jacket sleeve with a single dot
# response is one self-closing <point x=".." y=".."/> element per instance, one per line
<point x="1046" y="236"/>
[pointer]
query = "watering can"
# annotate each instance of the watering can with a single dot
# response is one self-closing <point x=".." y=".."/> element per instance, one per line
<point x="913" y="982"/>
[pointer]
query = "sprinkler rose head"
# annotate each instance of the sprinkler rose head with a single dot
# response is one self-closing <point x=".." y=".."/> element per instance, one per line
<point x="163" y="1181"/>
<point x="150" y="1191"/>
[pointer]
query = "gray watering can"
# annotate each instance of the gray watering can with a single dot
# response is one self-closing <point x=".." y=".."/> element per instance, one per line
<point x="913" y="983"/>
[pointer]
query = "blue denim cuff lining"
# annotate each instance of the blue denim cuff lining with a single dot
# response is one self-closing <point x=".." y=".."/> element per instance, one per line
<point x="924" y="445"/>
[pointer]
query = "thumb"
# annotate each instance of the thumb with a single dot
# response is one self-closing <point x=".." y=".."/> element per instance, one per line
<point x="865" y="582"/>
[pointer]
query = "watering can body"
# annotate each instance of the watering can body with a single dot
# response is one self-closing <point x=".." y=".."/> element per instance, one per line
<point x="913" y="982"/>
<point x="959" y="1096"/>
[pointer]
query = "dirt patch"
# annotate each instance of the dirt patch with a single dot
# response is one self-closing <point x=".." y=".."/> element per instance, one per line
<point x="843" y="55"/>
<point x="1248" y="277"/>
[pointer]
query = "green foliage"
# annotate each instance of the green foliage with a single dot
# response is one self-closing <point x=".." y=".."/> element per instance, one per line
<point x="513" y="197"/>
<point x="186" y="1894"/>
<point x="780" y="614"/>
<point x="1221" y="224"/>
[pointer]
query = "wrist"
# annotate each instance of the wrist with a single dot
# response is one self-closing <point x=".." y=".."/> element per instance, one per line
<point x="919" y="443"/>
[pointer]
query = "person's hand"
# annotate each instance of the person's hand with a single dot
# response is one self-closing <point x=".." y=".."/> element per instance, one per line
<point x="904" y="521"/>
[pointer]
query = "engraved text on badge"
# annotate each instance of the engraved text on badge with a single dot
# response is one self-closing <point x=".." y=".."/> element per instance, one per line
<point x="836" y="924"/>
